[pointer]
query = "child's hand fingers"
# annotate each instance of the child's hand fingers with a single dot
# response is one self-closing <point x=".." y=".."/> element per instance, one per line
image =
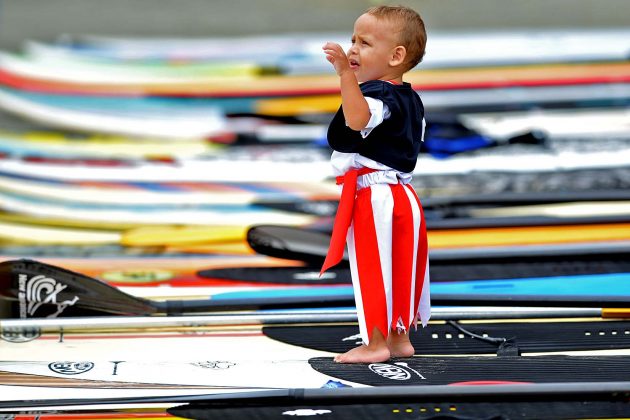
<point x="333" y="49"/>
<point x="336" y="56"/>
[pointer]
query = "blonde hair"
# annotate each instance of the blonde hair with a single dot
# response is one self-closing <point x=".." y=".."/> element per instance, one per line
<point x="412" y="34"/>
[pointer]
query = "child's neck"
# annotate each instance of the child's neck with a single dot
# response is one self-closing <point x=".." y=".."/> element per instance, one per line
<point x="394" y="81"/>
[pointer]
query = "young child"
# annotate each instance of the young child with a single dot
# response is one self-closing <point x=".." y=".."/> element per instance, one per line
<point x="376" y="137"/>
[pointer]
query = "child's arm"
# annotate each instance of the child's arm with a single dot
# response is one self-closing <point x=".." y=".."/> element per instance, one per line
<point x="355" y="108"/>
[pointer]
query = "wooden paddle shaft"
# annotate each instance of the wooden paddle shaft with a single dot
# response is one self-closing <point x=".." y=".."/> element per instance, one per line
<point x="81" y="324"/>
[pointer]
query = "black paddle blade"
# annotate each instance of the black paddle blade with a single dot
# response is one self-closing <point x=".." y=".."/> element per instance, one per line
<point x="31" y="289"/>
<point x="290" y="243"/>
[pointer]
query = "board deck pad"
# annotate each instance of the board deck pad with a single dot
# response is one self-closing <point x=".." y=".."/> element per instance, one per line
<point x="447" y="339"/>
<point x="478" y="370"/>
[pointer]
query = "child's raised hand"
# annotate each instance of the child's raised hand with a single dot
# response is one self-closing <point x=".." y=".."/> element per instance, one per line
<point x="337" y="57"/>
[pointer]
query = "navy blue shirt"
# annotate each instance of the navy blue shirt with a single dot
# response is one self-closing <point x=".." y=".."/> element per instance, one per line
<point x="396" y="141"/>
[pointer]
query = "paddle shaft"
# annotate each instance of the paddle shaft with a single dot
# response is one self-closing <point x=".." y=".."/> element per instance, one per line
<point x="339" y="315"/>
<point x="582" y="391"/>
<point x="180" y="307"/>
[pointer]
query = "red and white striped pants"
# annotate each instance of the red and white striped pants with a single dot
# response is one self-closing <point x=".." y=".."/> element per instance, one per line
<point x="387" y="246"/>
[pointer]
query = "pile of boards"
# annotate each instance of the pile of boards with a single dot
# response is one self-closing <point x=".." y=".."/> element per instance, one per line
<point x="165" y="206"/>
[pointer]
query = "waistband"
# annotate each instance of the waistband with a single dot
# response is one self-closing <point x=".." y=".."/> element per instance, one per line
<point x="361" y="171"/>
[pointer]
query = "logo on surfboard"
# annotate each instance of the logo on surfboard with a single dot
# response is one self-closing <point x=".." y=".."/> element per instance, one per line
<point x="215" y="364"/>
<point x="399" y="371"/>
<point x="38" y="290"/>
<point x="19" y="335"/>
<point x="70" y="368"/>
<point x="305" y="412"/>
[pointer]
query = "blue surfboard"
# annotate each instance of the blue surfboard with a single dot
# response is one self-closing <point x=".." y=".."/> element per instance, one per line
<point x="615" y="284"/>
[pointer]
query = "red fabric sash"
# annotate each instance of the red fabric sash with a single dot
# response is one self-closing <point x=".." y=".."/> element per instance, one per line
<point x="343" y="219"/>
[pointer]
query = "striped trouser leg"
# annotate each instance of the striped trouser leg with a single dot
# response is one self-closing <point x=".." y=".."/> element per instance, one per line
<point x="389" y="259"/>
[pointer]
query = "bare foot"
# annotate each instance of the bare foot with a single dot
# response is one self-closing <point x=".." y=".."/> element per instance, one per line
<point x="399" y="345"/>
<point x="374" y="352"/>
<point x="364" y="354"/>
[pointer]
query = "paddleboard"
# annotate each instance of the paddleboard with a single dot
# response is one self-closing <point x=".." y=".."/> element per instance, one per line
<point x="233" y="375"/>
<point x="536" y="401"/>
<point x="467" y="337"/>
<point x="613" y="284"/>
<point x="311" y="245"/>
<point x="51" y="143"/>
<point x="474" y="337"/>
<point x="451" y="49"/>
<point x="268" y="194"/>
<point x="477" y="267"/>
<point x="464" y="100"/>
<point x="596" y="122"/>
<point x="155" y="411"/>
<point x="212" y="124"/>
<point x="30" y="76"/>
<point x="199" y="214"/>
<point x="136" y="240"/>
<point x="150" y="344"/>
<point x="126" y="73"/>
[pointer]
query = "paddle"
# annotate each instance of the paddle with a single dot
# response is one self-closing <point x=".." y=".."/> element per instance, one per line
<point x="34" y="289"/>
<point x="585" y="394"/>
<point x="292" y="316"/>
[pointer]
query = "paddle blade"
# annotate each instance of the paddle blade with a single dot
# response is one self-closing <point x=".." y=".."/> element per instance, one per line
<point x="31" y="289"/>
<point x="290" y="243"/>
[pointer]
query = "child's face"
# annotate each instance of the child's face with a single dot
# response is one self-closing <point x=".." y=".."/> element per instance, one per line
<point x="373" y="43"/>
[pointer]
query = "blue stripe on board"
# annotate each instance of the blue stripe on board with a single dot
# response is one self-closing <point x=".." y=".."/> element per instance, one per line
<point x="157" y="187"/>
<point x="154" y="104"/>
<point x="149" y="186"/>
<point x="32" y="178"/>
<point x="260" y="188"/>
<point x="616" y="284"/>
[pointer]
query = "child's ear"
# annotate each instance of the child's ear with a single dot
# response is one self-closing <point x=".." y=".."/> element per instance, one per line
<point x="398" y="56"/>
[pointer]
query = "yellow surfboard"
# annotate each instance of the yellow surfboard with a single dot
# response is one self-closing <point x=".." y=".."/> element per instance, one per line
<point x="528" y="235"/>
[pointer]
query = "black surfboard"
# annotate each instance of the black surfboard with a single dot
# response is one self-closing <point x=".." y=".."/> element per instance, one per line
<point x="311" y="245"/>
<point x="479" y="403"/>
<point x="429" y="370"/>
<point x="481" y="267"/>
<point x="533" y="387"/>
<point x="478" y="338"/>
